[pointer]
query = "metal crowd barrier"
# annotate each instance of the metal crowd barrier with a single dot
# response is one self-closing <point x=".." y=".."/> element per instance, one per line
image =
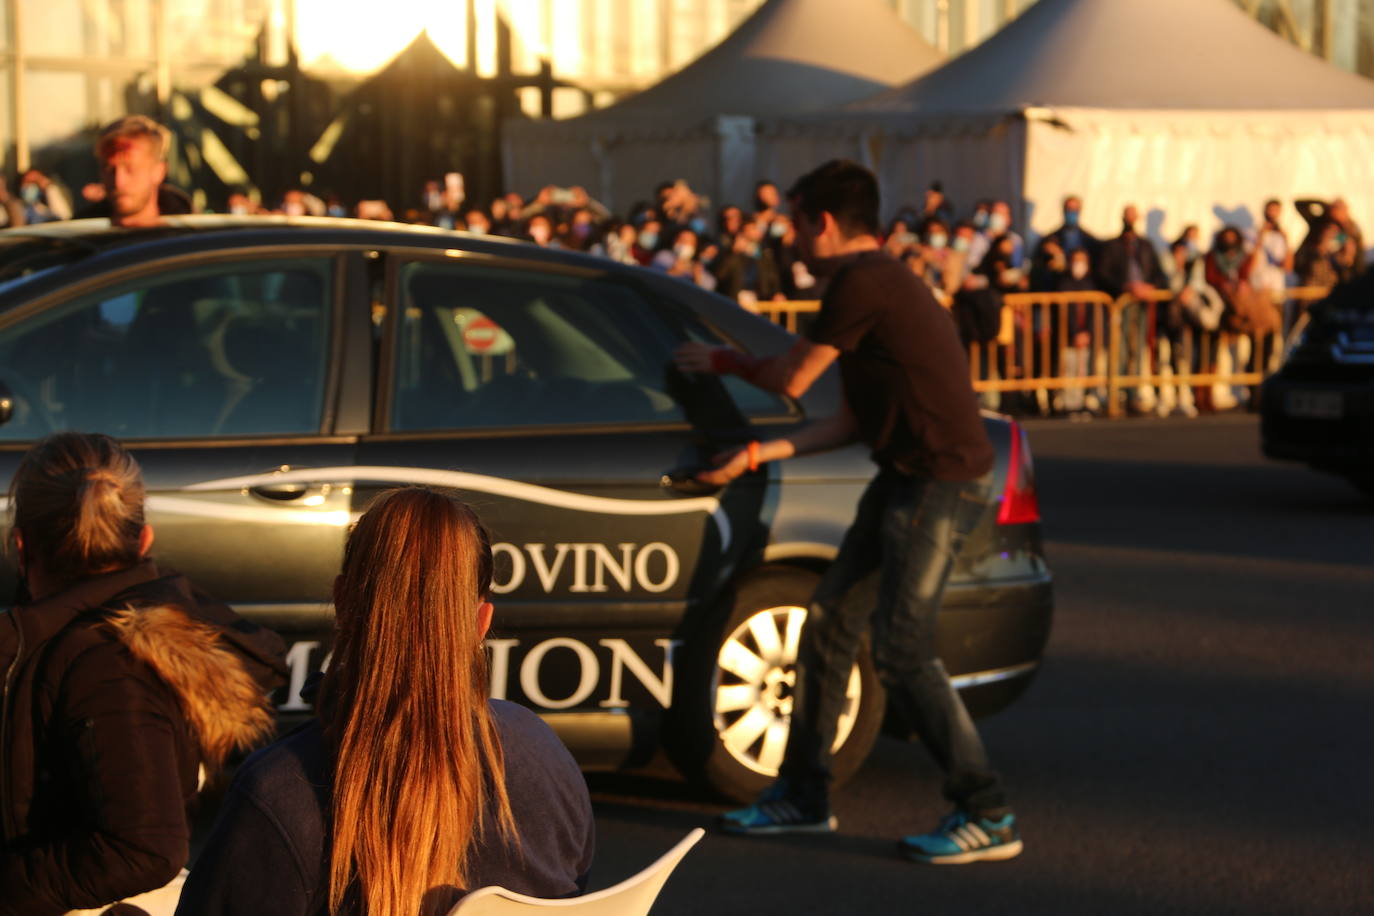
<point x="1080" y="347"/>
<point x="785" y="313"/>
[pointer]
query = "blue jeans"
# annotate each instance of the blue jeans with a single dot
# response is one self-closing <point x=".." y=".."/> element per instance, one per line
<point x="911" y="528"/>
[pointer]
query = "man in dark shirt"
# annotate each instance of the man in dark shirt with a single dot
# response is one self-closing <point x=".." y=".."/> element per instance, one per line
<point x="908" y="397"/>
<point x="1129" y="265"/>
<point x="1050" y="266"/>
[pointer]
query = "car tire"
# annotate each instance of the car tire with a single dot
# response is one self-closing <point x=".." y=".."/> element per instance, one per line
<point x="728" y="724"/>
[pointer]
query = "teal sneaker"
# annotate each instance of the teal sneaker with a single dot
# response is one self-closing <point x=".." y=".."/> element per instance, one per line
<point x="777" y="812"/>
<point x="961" y="838"/>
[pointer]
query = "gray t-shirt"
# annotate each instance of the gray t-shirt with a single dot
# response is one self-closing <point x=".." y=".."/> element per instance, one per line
<point x="269" y="851"/>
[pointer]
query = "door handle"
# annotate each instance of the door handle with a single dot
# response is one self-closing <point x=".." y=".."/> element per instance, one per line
<point x="684" y="481"/>
<point x="292" y="491"/>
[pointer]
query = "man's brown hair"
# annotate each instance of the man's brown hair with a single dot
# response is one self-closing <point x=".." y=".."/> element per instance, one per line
<point x="133" y="127"/>
<point x="845" y="190"/>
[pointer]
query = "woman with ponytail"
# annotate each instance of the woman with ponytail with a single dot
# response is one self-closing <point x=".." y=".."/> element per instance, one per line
<point x="123" y="689"/>
<point x="412" y="786"/>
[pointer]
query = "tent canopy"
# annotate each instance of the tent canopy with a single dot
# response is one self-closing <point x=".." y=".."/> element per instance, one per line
<point x="790" y="55"/>
<point x="1129" y="54"/>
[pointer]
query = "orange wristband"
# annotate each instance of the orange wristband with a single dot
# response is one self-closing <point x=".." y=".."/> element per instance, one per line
<point x="754" y="455"/>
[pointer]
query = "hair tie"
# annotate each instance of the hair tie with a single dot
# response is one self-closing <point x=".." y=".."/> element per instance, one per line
<point x="101" y="475"/>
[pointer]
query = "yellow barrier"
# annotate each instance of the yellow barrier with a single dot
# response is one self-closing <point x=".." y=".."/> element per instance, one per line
<point x="1074" y="344"/>
<point x="1041" y="336"/>
<point x="785" y="313"/>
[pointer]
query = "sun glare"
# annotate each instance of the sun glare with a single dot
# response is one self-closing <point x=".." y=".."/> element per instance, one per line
<point x="362" y="35"/>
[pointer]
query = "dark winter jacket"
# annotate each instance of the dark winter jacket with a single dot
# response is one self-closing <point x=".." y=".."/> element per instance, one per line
<point x="1114" y="264"/>
<point x="269" y="852"/>
<point x="116" y="692"/>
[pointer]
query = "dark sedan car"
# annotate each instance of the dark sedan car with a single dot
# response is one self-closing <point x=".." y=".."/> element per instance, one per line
<point x="1319" y="407"/>
<point x="272" y="376"/>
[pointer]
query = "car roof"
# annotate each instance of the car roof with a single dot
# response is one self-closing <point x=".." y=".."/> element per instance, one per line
<point x="99" y="235"/>
<point x="88" y="247"/>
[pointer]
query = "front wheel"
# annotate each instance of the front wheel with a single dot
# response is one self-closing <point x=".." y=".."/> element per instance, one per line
<point x="731" y="718"/>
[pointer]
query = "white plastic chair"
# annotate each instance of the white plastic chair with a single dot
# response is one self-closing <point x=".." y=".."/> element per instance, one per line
<point x="631" y="897"/>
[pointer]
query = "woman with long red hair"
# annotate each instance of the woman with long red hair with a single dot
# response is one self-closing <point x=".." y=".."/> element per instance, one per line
<point x="412" y="786"/>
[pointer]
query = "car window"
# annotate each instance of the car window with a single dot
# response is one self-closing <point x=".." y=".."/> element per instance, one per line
<point x="752" y="401"/>
<point x="232" y="350"/>
<point x="484" y="346"/>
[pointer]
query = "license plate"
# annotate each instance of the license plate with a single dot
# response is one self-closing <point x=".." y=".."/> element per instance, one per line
<point x="1318" y="405"/>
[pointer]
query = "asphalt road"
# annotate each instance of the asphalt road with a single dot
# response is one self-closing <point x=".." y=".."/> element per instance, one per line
<point x="1201" y="738"/>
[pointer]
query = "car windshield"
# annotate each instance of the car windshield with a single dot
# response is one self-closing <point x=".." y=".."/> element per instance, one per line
<point x="24" y="255"/>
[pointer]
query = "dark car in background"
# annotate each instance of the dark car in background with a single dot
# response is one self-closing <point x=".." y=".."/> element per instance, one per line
<point x="273" y="375"/>
<point x="1319" y="407"/>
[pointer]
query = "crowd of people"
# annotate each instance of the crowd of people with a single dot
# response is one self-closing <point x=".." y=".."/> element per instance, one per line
<point x="1236" y="281"/>
<point x="750" y="254"/>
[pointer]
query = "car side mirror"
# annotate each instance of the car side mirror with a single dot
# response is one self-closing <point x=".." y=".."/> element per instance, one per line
<point x="6" y="404"/>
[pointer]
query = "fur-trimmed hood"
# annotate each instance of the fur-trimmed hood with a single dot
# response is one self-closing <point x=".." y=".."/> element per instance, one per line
<point x="223" y="704"/>
<point x="116" y="692"/>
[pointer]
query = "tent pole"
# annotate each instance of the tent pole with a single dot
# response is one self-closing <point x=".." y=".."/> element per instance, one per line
<point x="18" y="95"/>
<point x="1328" y="27"/>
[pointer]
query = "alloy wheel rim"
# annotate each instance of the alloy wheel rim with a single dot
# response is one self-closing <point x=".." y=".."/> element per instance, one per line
<point x="753" y="685"/>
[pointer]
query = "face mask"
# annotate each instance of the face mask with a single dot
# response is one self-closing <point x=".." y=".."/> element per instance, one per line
<point x="997" y="223"/>
<point x="777" y="230"/>
<point x="239" y="210"/>
<point x="685" y="252"/>
<point x="753" y="250"/>
<point x="1071" y="218"/>
<point x="434" y="201"/>
<point x="698" y="225"/>
<point x="477" y="229"/>
<point x="906" y="238"/>
<point x="960" y="243"/>
<point x="1192" y="250"/>
<point x="582" y="230"/>
<point x="980" y="219"/>
<point x="938" y="240"/>
<point x="30" y="193"/>
<point x="1079" y="270"/>
<point x="648" y="240"/>
<point x="337" y="211"/>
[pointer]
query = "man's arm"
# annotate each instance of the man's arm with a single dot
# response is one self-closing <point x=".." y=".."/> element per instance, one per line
<point x="791" y="373"/>
<point x="1311" y="210"/>
<point x="831" y="432"/>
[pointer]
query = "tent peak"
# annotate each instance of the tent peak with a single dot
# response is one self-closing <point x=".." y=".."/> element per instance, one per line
<point x="788" y="56"/>
<point x="1164" y="54"/>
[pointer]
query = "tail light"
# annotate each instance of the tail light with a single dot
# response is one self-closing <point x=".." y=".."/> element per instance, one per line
<point x="1020" y="504"/>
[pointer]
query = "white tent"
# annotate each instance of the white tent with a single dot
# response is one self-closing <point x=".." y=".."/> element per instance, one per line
<point x="1187" y="108"/>
<point x="790" y="56"/>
